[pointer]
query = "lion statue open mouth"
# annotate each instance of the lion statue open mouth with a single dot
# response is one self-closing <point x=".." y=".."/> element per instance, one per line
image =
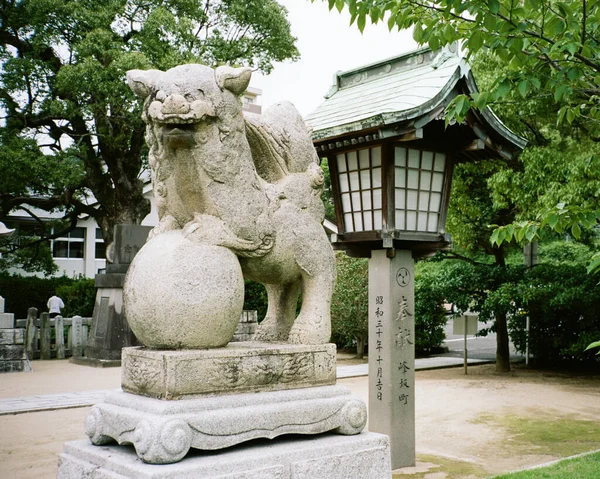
<point x="251" y="185"/>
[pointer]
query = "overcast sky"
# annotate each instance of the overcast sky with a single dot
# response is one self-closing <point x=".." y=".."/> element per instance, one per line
<point x="327" y="43"/>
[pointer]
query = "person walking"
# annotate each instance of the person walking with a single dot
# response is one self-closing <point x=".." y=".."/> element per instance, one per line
<point x="55" y="304"/>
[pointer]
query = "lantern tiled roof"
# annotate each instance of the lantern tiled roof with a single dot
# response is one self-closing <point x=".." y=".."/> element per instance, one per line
<point x="401" y="95"/>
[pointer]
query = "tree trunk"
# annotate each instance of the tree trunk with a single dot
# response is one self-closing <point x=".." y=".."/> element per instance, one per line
<point x="112" y="172"/>
<point x="130" y="212"/>
<point x="360" y="348"/>
<point x="502" y="349"/>
<point x="125" y="205"/>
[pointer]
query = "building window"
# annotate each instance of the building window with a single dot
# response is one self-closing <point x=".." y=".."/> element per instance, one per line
<point x="70" y="246"/>
<point x="100" y="246"/>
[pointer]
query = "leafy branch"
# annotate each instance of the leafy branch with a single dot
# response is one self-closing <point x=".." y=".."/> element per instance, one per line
<point x="561" y="218"/>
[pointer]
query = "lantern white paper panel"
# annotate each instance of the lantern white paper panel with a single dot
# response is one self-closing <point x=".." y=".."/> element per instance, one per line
<point x="419" y="182"/>
<point x="359" y="178"/>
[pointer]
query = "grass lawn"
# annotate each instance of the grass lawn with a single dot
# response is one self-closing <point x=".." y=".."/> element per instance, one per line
<point x="555" y="436"/>
<point x="585" y="467"/>
<point x="552" y="436"/>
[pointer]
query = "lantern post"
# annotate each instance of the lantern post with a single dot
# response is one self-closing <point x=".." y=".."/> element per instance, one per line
<point x="391" y="159"/>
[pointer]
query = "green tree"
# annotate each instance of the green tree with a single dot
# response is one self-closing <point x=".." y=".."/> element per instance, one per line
<point x="471" y="211"/>
<point x="34" y="258"/>
<point x="72" y="137"/>
<point x="537" y="63"/>
<point x="551" y="48"/>
<point x="557" y="295"/>
<point x="350" y="302"/>
<point x="430" y="314"/>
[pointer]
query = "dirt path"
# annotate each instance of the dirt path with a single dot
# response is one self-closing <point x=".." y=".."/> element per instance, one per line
<point x="485" y="418"/>
<point x="458" y="417"/>
<point x="58" y="376"/>
<point x="452" y="408"/>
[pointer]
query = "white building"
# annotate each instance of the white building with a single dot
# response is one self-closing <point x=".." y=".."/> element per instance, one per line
<point x="82" y="252"/>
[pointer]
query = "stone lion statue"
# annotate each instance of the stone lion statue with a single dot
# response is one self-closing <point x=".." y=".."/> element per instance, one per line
<point x="249" y="184"/>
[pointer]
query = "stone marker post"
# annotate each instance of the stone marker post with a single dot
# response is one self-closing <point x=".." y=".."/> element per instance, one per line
<point x="31" y="333"/>
<point x="77" y="336"/>
<point x="1" y="304"/>
<point x="110" y="331"/>
<point x="59" y="328"/>
<point x="45" y="336"/>
<point x="392" y="352"/>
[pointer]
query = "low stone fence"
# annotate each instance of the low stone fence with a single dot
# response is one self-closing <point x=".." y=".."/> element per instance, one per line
<point x="47" y="338"/>
<point x="246" y="327"/>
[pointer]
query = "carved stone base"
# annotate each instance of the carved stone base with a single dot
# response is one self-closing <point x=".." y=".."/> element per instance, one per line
<point x="364" y="456"/>
<point x="237" y="368"/>
<point x="162" y="431"/>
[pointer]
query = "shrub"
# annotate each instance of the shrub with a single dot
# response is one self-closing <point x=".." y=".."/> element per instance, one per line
<point x="255" y="298"/>
<point x="24" y="292"/>
<point x="562" y="304"/>
<point x="430" y="315"/>
<point x="350" y="303"/>
<point x="79" y="297"/>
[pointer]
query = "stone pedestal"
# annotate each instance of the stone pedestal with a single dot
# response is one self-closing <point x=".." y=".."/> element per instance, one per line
<point x="178" y="407"/>
<point x="330" y="456"/>
<point x="13" y="356"/>
<point x="217" y="398"/>
<point x="224" y="396"/>
<point x="109" y="331"/>
<point x="163" y="432"/>
<point x="237" y="368"/>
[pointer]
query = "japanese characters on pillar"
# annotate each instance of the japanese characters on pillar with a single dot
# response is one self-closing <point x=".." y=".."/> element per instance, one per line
<point x="404" y="338"/>
<point x="391" y="352"/>
<point x="379" y="345"/>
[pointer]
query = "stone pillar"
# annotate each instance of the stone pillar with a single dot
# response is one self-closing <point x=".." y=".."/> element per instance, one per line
<point x="12" y="347"/>
<point x="109" y="330"/>
<point x="7" y="320"/>
<point x="392" y="352"/>
<point x="85" y="335"/>
<point x="45" y="352"/>
<point x="76" y="336"/>
<point x="31" y="333"/>
<point x="90" y="247"/>
<point x="59" y="328"/>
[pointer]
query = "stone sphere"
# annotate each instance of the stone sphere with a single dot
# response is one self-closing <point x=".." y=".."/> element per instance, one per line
<point x="183" y="295"/>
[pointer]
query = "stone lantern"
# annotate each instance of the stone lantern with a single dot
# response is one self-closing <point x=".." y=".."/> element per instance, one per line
<point x="391" y="157"/>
